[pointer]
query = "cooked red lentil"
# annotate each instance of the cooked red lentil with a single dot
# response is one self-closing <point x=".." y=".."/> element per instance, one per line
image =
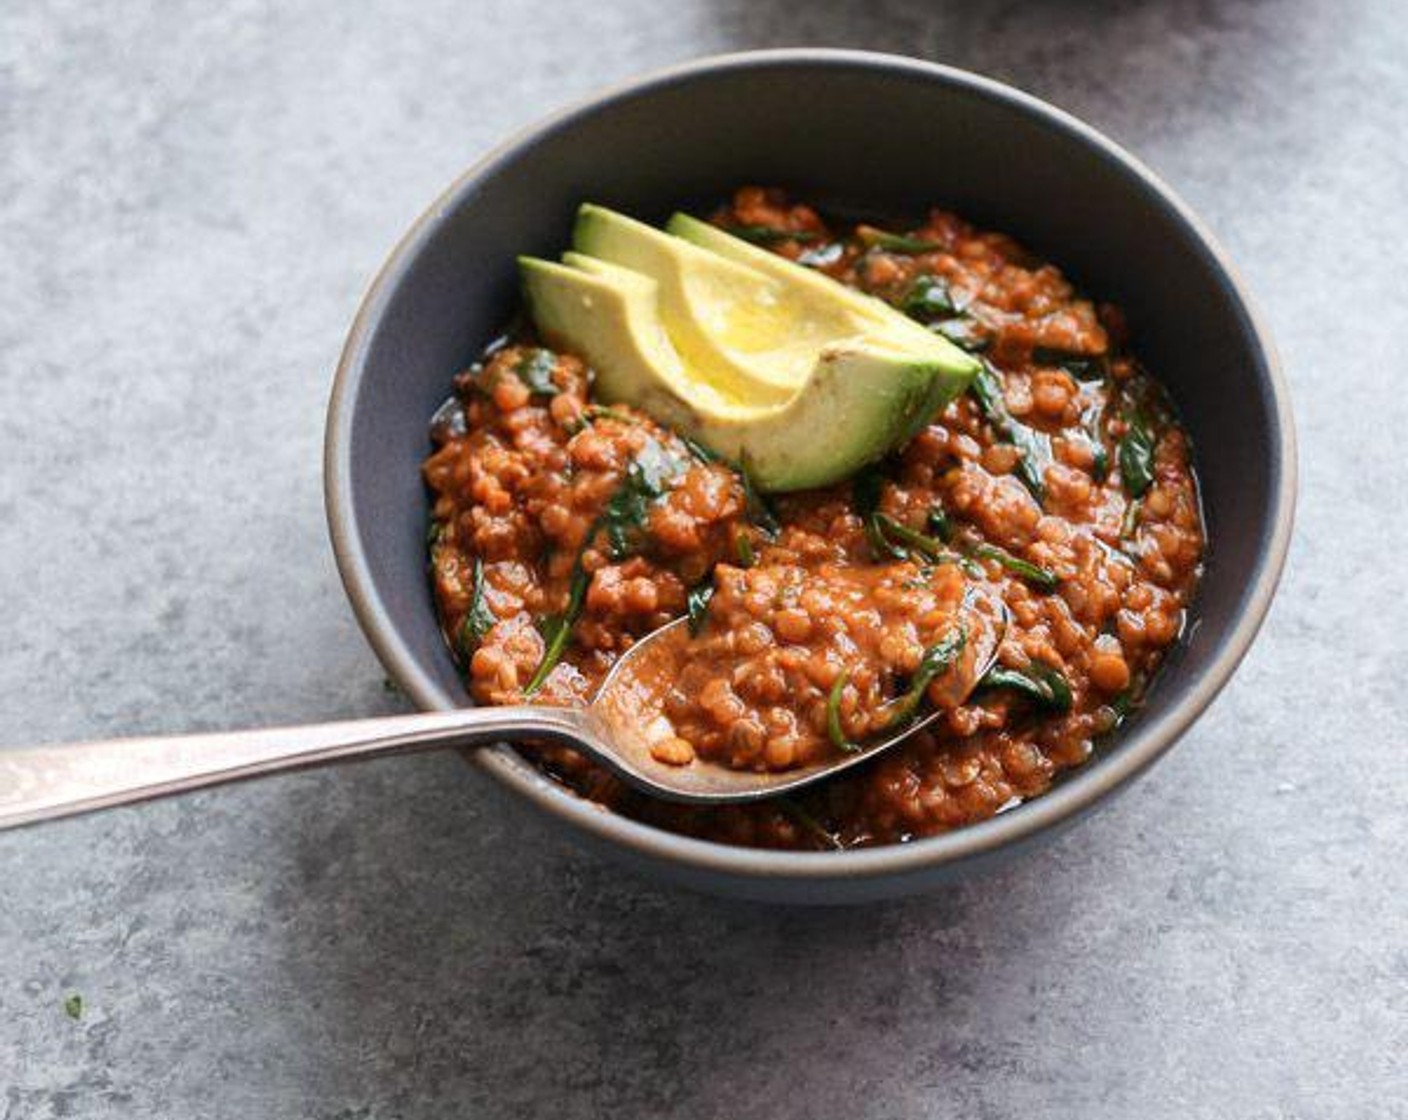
<point x="563" y="531"/>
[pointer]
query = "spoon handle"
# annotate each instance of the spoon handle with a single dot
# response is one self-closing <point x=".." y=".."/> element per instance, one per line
<point x="40" y="783"/>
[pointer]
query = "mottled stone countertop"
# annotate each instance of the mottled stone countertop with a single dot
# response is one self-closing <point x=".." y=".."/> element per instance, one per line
<point x="192" y="198"/>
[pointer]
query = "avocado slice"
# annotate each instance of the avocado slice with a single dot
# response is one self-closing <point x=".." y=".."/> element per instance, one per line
<point x="862" y="400"/>
<point x="861" y="397"/>
<point x="755" y="334"/>
<point x="818" y="285"/>
<point x="608" y="316"/>
<point x="752" y="319"/>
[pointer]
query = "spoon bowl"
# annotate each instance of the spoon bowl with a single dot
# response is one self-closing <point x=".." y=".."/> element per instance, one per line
<point x="616" y="714"/>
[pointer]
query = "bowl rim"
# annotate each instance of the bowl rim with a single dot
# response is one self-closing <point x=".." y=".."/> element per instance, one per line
<point x="1085" y="787"/>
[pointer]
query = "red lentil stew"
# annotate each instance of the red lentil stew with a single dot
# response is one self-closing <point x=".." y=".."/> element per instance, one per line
<point x="563" y="530"/>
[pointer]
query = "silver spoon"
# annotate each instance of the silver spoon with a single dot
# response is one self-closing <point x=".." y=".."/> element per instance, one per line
<point x="42" y="783"/>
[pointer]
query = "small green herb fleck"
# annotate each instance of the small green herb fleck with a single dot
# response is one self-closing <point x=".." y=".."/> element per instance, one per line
<point x="479" y="619"/>
<point x="1044" y="578"/>
<point x="940" y="525"/>
<point x="930" y="299"/>
<point x="767" y="235"/>
<point x="833" y="716"/>
<point x="743" y="548"/>
<point x="1136" y="457"/>
<point x="697" y="602"/>
<point x="1099" y="460"/>
<point x="601" y="412"/>
<point x="938" y="659"/>
<point x="1129" y="524"/>
<point x="73" y="1006"/>
<point x="535" y="368"/>
<point x="1041" y="684"/>
<point x="874" y="238"/>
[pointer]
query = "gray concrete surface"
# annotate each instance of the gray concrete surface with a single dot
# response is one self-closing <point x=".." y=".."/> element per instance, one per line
<point x="192" y="197"/>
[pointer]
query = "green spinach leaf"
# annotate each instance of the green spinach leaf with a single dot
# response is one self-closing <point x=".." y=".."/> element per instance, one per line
<point x="767" y="235"/>
<point x="1136" y="457"/>
<point x="743" y="548"/>
<point x="804" y="820"/>
<point x="834" y="730"/>
<point x="874" y="238"/>
<point x="1083" y="367"/>
<point x="938" y="659"/>
<point x="1044" y="686"/>
<point x="479" y="619"/>
<point x="557" y="629"/>
<point x="646" y="478"/>
<point x="1044" y="578"/>
<point x="964" y="332"/>
<point x="866" y="489"/>
<point x="1035" y="447"/>
<point x="940" y="525"/>
<point x="535" y="368"/>
<point x="894" y="530"/>
<point x="930" y="299"/>
<point x="760" y="510"/>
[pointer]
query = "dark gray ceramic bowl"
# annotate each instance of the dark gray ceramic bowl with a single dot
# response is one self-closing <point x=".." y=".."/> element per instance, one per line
<point x="862" y="132"/>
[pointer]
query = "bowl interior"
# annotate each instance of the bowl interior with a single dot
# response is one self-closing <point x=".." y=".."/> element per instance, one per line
<point x="854" y="133"/>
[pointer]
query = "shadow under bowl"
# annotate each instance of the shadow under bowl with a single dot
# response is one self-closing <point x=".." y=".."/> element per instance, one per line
<point x="862" y="133"/>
